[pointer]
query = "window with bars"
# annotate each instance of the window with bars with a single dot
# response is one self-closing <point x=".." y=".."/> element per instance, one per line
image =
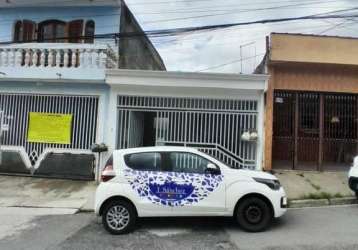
<point x="52" y="31"/>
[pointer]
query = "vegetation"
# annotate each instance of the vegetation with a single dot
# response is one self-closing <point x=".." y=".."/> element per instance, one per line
<point x="315" y="186"/>
<point x="320" y="195"/>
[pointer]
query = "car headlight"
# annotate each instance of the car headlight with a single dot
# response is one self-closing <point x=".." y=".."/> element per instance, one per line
<point x="273" y="184"/>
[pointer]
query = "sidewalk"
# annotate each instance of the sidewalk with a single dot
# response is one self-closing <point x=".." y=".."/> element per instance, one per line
<point x="46" y="193"/>
<point x="304" y="189"/>
<point x="308" y="188"/>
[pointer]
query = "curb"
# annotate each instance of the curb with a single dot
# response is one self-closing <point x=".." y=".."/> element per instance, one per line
<point x="85" y="210"/>
<point x="322" y="202"/>
<point x="308" y="203"/>
<point x="293" y="203"/>
<point x="344" y="201"/>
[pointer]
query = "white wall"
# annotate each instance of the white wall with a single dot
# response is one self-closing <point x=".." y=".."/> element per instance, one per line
<point x="65" y="88"/>
<point x="179" y="84"/>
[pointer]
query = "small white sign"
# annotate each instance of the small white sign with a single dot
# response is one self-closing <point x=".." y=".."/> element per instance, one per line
<point x="279" y="100"/>
<point x="5" y="127"/>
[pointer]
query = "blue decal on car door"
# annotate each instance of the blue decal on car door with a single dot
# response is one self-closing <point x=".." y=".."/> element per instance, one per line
<point x="171" y="191"/>
<point x="160" y="187"/>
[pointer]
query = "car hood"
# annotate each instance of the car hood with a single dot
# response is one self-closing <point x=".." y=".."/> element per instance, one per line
<point x="252" y="174"/>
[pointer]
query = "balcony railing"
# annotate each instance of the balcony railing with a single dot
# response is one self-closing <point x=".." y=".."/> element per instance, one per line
<point x="56" y="60"/>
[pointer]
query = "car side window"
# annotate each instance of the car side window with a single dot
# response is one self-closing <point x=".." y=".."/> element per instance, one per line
<point x="146" y="161"/>
<point x="188" y="162"/>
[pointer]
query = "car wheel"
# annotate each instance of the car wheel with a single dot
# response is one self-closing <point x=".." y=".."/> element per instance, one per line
<point x="119" y="217"/>
<point x="254" y="214"/>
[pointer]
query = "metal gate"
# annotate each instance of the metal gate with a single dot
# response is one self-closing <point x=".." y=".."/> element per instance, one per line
<point x="211" y="125"/>
<point x="18" y="106"/>
<point x="314" y="131"/>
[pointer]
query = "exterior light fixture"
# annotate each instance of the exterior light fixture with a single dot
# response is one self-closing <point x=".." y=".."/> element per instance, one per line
<point x="335" y="119"/>
<point x="249" y="136"/>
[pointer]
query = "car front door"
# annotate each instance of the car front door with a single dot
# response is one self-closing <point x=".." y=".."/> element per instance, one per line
<point x="193" y="188"/>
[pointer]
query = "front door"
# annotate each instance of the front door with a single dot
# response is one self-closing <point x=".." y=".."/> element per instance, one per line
<point x="296" y="130"/>
<point x="308" y="131"/>
<point x="283" y="140"/>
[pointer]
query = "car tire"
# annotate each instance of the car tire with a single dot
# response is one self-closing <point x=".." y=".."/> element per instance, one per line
<point x="119" y="217"/>
<point x="254" y="214"/>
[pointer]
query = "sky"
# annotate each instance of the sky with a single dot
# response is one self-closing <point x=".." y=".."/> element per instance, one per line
<point x="236" y="49"/>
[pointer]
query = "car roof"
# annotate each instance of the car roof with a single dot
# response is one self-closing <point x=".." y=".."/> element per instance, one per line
<point x="156" y="149"/>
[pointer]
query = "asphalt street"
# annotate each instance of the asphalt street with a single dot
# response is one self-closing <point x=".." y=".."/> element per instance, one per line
<point x="310" y="228"/>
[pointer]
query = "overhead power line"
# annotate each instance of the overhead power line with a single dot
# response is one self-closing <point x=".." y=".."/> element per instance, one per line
<point x="334" y="26"/>
<point x="239" y="11"/>
<point x="177" y="31"/>
<point x="194" y="1"/>
<point x="231" y="62"/>
<point x="234" y="12"/>
<point x="231" y="11"/>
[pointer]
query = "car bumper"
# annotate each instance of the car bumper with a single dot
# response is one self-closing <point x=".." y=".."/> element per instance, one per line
<point x="107" y="190"/>
<point x="98" y="201"/>
<point x="280" y="203"/>
<point x="103" y="192"/>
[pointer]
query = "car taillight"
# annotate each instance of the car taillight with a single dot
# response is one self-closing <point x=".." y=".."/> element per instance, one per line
<point x="108" y="172"/>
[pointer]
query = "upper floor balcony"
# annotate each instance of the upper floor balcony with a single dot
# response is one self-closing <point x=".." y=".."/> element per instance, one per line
<point x="57" y="40"/>
<point x="63" y="41"/>
<point x="52" y="3"/>
<point x="56" y="61"/>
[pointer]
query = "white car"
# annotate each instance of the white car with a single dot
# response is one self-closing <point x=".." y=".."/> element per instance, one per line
<point x="168" y="181"/>
<point x="353" y="176"/>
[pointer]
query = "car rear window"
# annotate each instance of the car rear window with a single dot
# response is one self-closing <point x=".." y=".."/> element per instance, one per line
<point x="146" y="161"/>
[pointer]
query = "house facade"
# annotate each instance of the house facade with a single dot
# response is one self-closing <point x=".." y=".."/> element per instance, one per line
<point x="311" y="120"/>
<point x="219" y="114"/>
<point x="65" y="85"/>
<point x="53" y="59"/>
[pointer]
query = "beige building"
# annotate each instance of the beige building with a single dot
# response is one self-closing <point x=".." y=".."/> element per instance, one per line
<point x="311" y="102"/>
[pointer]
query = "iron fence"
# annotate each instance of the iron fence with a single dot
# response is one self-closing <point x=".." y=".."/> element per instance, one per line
<point x="84" y="124"/>
<point x="211" y="125"/>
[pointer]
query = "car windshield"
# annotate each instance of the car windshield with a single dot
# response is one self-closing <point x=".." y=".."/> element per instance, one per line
<point x="221" y="161"/>
<point x="226" y="164"/>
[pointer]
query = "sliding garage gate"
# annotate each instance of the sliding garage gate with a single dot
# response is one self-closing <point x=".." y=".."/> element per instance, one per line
<point x="84" y="112"/>
<point x="214" y="126"/>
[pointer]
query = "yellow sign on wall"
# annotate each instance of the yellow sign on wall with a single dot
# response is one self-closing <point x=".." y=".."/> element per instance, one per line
<point x="50" y="128"/>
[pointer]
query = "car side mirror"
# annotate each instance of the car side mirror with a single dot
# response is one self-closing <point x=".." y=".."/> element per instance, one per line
<point x="212" y="169"/>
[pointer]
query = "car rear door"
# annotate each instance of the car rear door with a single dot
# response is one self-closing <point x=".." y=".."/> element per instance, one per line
<point x="144" y="173"/>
